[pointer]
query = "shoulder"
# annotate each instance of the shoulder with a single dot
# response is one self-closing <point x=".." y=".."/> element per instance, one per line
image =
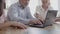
<point x="14" y="5"/>
<point x="38" y="7"/>
<point x="27" y="8"/>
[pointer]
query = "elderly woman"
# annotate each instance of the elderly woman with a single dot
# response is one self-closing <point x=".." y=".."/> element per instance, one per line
<point x="41" y="11"/>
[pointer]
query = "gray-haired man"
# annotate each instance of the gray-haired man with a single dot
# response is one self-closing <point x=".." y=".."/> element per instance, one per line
<point x="20" y="12"/>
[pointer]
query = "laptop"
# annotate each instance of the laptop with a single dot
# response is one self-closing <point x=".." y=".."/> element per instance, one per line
<point x="49" y="20"/>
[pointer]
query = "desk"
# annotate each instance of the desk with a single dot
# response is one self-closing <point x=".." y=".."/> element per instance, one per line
<point x="55" y="29"/>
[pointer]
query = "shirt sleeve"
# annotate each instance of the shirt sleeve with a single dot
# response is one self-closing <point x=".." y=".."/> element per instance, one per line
<point x="29" y="15"/>
<point x="37" y="11"/>
<point x="13" y="16"/>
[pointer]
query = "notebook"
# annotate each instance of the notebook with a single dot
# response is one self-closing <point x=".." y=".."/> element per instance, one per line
<point x="49" y="20"/>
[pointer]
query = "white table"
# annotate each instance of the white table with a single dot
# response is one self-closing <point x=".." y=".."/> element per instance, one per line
<point x="55" y="29"/>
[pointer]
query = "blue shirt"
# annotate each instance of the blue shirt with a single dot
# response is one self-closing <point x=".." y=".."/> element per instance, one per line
<point x="17" y="13"/>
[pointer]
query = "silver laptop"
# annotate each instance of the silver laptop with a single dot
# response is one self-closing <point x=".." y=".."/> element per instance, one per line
<point x="49" y="20"/>
<point x="51" y="15"/>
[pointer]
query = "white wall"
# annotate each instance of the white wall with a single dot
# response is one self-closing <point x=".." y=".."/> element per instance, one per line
<point x="58" y="15"/>
<point x="9" y="2"/>
<point x="54" y="4"/>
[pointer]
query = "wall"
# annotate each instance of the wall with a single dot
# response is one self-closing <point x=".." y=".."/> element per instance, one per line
<point x="58" y="15"/>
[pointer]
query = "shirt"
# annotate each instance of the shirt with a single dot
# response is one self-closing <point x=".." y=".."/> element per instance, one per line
<point x="17" y="13"/>
<point x="42" y="12"/>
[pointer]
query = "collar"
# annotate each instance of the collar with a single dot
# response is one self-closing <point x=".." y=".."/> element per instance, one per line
<point x="44" y="9"/>
<point x="19" y="5"/>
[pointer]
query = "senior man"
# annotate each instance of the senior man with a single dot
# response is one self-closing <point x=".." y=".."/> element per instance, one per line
<point x="20" y="12"/>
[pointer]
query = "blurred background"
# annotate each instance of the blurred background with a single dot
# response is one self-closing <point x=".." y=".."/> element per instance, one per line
<point x="33" y="4"/>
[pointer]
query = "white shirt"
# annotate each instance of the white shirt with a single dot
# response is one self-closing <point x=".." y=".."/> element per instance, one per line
<point x="41" y="12"/>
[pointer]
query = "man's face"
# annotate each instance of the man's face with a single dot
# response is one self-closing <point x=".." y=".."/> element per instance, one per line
<point x="24" y="3"/>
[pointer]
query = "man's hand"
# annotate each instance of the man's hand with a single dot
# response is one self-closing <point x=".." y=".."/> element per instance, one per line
<point x="19" y="25"/>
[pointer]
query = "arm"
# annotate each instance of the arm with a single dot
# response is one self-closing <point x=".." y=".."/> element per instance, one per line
<point x="12" y="24"/>
<point x="4" y="25"/>
<point x="37" y="13"/>
<point x="29" y="15"/>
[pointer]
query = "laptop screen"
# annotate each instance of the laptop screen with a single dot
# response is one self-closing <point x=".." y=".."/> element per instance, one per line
<point x="50" y="17"/>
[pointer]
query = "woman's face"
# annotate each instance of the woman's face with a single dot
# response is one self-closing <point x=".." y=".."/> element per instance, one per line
<point x="45" y="2"/>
